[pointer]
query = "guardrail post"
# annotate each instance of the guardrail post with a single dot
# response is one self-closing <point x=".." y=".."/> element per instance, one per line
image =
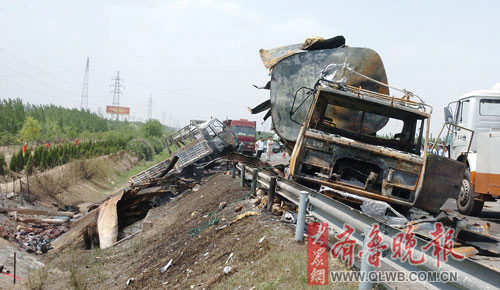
<point x="15" y="260"/>
<point x="242" y="174"/>
<point x="233" y="170"/>
<point x="301" y="219"/>
<point x="365" y="267"/>
<point x="272" y="192"/>
<point x="253" y="187"/>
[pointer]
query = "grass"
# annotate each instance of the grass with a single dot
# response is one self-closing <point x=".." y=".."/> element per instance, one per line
<point x="51" y="184"/>
<point x="278" y="262"/>
<point x="76" y="279"/>
<point x="37" y="280"/>
<point x="81" y="269"/>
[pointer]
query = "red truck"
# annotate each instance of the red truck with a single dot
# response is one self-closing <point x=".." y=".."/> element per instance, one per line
<point x="246" y="132"/>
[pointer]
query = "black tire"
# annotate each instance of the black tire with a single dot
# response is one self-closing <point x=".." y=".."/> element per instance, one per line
<point x="466" y="203"/>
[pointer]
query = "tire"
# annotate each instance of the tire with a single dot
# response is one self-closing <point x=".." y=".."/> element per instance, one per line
<point x="466" y="203"/>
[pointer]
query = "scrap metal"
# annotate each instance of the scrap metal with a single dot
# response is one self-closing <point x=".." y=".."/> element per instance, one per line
<point x="197" y="146"/>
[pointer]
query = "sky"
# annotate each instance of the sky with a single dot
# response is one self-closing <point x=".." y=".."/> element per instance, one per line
<point x="199" y="58"/>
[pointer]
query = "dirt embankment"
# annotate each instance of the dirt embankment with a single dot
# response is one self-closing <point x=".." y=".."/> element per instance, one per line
<point x="79" y="181"/>
<point x="70" y="185"/>
<point x="198" y="241"/>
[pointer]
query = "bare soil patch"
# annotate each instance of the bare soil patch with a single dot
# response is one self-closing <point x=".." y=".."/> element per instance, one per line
<point x="197" y="260"/>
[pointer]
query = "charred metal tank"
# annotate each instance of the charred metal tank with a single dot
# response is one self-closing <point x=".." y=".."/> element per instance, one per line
<point x="295" y="71"/>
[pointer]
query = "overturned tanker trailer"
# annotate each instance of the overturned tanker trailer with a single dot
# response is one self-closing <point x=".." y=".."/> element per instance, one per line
<point x="331" y="104"/>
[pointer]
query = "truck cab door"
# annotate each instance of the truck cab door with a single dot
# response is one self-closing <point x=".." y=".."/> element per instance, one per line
<point x="459" y="136"/>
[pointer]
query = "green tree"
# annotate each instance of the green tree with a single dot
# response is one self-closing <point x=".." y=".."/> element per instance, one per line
<point x="13" y="162"/>
<point x="29" y="165"/>
<point x="17" y="162"/>
<point x="31" y="130"/>
<point x="152" y="128"/>
<point x="20" y="161"/>
<point x="43" y="158"/>
<point x="37" y="156"/>
<point x="26" y="156"/>
<point x="51" y="158"/>
<point x="3" y="165"/>
<point x="141" y="148"/>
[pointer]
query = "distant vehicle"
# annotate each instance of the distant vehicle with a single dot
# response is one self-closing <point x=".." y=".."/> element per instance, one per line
<point x="246" y="132"/>
<point x="198" y="142"/>
<point x="478" y="111"/>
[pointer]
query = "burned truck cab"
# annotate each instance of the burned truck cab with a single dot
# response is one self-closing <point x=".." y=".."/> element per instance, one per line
<point x="370" y="144"/>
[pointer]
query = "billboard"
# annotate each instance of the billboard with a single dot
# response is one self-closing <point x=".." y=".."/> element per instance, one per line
<point x="118" y="110"/>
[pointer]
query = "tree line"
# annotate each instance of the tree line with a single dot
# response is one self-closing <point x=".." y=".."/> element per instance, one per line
<point x="46" y="156"/>
<point x="21" y="122"/>
<point x="143" y="142"/>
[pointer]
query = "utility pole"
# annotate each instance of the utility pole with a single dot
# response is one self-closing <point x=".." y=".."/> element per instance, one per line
<point x="116" y="89"/>
<point x="150" y="108"/>
<point x="85" y="92"/>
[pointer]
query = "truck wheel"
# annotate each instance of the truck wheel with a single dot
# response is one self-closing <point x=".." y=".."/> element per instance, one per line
<point x="466" y="203"/>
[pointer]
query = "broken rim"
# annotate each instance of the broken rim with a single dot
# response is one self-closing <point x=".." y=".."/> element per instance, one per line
<point x="464" y="195"/>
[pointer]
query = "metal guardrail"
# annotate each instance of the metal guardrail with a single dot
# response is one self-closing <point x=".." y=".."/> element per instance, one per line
<point x="471" y="275"/>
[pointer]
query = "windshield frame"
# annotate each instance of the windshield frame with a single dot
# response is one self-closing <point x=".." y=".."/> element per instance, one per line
<point x="410" y="139"/>
<point x="237" y="131"/>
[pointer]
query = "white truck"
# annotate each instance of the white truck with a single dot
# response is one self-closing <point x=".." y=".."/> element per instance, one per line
<point x="478" y="111"/>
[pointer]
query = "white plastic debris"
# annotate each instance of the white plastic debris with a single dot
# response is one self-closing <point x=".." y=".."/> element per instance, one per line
<point x="289" y="217"/>
<point x="261" y="239"/>
<point x="220" y="228"/>
<point x="229" y="258"/>
<point x="227" y="270"/>
<point x="129" y="281"/>
<point x="165" y="268"/>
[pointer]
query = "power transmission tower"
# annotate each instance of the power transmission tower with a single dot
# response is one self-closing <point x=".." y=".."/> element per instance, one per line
<point x="116" y="89"/>
<point x="85" y="92"/>
<point x="150" y="108"/>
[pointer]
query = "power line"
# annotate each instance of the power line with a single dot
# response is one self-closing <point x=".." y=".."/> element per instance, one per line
<point x="175" y="92"/>
<point x="85" y="92"/>
<point x="28" y="88"/>
<point x="117" y="86"/>
<point x="33" y="66"/>
<point x="186" y="94"/>
<point x="35" y="80"/>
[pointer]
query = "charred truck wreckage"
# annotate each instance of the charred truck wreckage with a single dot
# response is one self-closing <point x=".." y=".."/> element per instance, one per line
<point x="348" y="137"/>
<point x="195" y="150"/>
